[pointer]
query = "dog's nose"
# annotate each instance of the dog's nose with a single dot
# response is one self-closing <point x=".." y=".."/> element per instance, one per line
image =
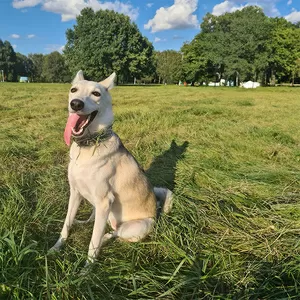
<point x="77" y="104"/>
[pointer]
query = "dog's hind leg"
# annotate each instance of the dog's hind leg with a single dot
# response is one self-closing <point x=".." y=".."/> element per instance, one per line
<point x="135" y="230"/>
<point x="164" y="200"/>
<point x="74" y="202"/>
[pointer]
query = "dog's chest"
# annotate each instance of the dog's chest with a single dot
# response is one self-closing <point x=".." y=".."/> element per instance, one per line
<point x="89" y="173"/>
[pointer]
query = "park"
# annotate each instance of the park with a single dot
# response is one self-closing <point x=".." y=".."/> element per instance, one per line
<point x="230" y="155"/>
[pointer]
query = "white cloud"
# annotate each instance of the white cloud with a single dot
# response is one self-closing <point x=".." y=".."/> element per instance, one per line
<point x="290" y="2"/>
<point x="54" y="47"/>
<point x="14" y="46"/>
<point x="25" y="3"/>
<point x="177" y="37"/>
<point x="30" y="36"/>
<point x="293" y="17"/>
<point x="268" y="6"/>
<point x="69" y="9"/>
<point x="15" y="36"/>
<point x="224" y="7"/>
<point x="157" y="40"/>
<point x="178" y="16"/>
<point x="149" y="4"/>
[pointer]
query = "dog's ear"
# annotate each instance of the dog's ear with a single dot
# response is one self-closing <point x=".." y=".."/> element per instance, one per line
<point x="78" y="77"/>
<point x="108" y="83"/>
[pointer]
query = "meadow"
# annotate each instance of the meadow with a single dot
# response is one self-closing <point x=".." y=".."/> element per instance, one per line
<point x="232" y="158"/>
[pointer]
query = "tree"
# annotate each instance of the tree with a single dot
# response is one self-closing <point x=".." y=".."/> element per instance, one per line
<point x="169" y="66"/>
<point x="284" y="50"/>
<point x="105" y="41"/>
<point x="37" y="71"/>
<point x="250" y="31"/>
<point x="7" y="61"/>
<point x="231" y="46"/>
<point x="23" y="65"/>
<point x="55" y="69"/>
<point x="296" y="70"/>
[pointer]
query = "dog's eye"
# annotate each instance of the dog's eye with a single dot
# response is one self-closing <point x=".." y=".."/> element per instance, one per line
<point x="97" y="94"/>
<point x="73" y="90"/>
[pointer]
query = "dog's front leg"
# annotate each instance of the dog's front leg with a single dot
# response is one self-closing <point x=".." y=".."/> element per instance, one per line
<point x="102" y="210"/>
<point x="74" y="202"/>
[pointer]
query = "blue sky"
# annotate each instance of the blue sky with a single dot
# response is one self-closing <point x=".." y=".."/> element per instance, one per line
<point x="39" y="26"/>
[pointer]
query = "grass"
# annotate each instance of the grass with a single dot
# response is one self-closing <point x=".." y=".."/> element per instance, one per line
<point x="230" y="155"/>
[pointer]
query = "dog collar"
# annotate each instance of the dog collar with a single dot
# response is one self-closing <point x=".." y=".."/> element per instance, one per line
<point x="94" y="139"/>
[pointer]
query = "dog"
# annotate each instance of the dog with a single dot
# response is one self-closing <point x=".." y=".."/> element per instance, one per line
<point x="102" y="171"/>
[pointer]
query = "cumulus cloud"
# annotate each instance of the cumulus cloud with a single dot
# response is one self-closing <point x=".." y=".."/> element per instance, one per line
<point x="224" y="7"/>
<point x="293" y="17"/>
<point x="30" y="36"/>
<point x="15" y="36"/>
<point x="69" y="9"/>
<point x="290" y="2"/>
<point x="25" y="3"/>
<point x="149" y="4"/>
<point x="178" y="16"/>
<point x="269" y="6"/>
<point x="157" y="40"/>
<point x="54" y="47"/>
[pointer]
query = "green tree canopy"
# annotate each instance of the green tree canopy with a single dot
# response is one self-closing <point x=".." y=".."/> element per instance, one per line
<point x="284" y="50"/>
<point x="8" y="60"/>
<point x="24" y="65"/>
<point x="37" y="61"/>
<point x="243" y="45"/>
<point x="168" y="66"/>
<point x="55" y="69"/>
<point x="105" y="41"/>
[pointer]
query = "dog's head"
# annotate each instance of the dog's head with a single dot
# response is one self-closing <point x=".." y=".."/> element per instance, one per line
<point x="90" y="107"/>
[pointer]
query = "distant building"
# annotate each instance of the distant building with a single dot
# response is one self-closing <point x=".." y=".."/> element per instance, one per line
<point x="24" y="79"/>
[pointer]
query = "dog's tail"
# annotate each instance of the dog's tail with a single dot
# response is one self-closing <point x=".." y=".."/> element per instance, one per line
<point x="164" y="200"/>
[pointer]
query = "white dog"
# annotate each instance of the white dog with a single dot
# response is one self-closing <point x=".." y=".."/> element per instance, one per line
<point x="102" y="171"/>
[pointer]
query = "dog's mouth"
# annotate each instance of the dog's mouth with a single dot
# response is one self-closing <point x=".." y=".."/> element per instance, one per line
<point x="83" y="122"/>
<point x="77" y="124"/>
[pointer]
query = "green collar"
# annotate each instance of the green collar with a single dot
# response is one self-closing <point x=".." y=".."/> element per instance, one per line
<point x="95" y="138"/>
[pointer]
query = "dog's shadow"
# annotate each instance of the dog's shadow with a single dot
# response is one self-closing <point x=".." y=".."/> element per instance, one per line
<point x="162" y="170"/>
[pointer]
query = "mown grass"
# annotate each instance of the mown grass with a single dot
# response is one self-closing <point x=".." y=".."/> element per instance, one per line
<point x="231" y="156"/>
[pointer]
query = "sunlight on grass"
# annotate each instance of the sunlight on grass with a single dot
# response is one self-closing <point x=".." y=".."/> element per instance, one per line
<point x="230" y="155"/>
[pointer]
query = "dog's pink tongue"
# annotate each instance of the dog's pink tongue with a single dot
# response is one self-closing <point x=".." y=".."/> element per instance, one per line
<point x="72" y="120"/>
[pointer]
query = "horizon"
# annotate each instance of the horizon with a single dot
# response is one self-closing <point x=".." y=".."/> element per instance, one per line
<point x="168" y="24"/>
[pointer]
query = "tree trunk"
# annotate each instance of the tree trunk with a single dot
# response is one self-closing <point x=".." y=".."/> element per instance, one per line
<point x="273" y="80"/>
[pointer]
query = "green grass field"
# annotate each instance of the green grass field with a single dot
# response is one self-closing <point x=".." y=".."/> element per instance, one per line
<point x="230" y="155"/>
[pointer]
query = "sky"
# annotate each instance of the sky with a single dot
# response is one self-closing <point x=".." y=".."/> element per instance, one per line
<point x="39" y="26"/>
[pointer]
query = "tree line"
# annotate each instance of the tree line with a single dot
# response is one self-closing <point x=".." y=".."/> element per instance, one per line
<point x="38" y="67"/>
<point x="239" y="46"/>
<point x="243" y="45"/>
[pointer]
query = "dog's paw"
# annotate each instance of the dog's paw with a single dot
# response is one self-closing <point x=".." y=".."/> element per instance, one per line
<point x="53" y="250"/>
<point x="58" y="245"/>
<point x="87" y="267"/>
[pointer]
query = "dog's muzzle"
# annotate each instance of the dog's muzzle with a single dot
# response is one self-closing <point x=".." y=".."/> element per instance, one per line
<point x="77" y="104"/>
